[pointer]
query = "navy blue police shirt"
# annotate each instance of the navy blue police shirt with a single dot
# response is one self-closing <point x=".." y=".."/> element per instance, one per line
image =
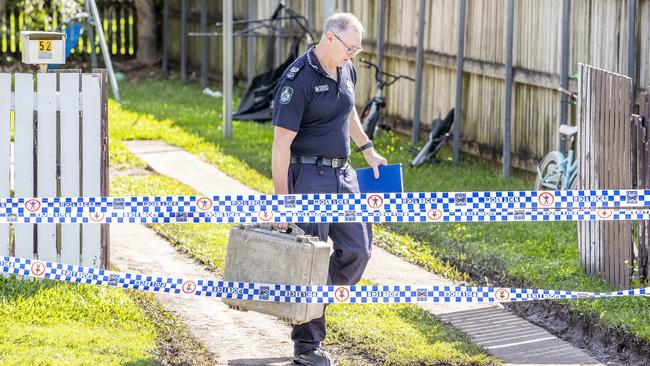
<point x="308" y="101"/>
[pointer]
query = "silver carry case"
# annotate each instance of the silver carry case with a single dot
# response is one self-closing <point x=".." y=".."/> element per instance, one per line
<point x="257" y="253"/>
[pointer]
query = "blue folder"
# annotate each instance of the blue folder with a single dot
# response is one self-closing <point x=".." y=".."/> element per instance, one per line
<point x="390" y="179"/>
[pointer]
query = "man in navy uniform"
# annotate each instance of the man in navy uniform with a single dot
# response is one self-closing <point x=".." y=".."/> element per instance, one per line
<point x="314" y="117"/>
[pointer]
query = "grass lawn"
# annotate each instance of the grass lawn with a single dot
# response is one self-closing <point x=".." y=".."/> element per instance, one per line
<point x="45" y="322"/>
<point x="53" y="323"/>
<point x="388" y="334"/>
<point x="542" y="255"/>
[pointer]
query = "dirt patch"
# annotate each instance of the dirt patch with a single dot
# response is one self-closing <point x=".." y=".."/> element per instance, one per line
<point x="129" y="172"/>
<point x="174" y="344"/>
<point x="349" y="356"/>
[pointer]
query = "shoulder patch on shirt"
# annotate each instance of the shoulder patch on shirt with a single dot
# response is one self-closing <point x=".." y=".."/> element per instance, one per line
<point x="291" y="74"/>
<point x="285" y="95"/>
<point x="321" y="88"/>
<point x="350" y="86"/>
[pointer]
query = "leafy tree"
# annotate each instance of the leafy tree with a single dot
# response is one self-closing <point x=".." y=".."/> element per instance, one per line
<point x="39" y="14"/>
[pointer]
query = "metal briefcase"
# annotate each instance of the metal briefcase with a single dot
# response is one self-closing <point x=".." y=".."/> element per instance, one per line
<point x="256" y="253"/>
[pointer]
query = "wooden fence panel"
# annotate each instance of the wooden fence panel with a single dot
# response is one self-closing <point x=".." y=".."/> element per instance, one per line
<point x="46" y="182"/>
<point x="605" y="162"/>
<point x="581" y="112"/>
<point x="598" y="35"/>
<point x="624" y="170"/>
<point x="105" y="158"/>
<point x="643" y="176"/>
<point x="24" y="158"/>
<point x="644" y="44"/>
<point x="624" y="243"/>
<point x="5" y="153"/>
<point x="91" y="163"/>
<point x="79" y="146"/>
<point x="70" y="84"/>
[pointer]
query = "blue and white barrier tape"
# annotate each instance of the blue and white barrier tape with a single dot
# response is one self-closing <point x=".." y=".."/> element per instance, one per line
<point x="445" y="200"/>
<point x="359" y="207"/>
<point x="331" y="216"/>
<point x="292" y="293"/>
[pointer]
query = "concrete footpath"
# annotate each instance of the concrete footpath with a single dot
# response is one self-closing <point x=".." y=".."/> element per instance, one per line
<point x="232" y="337"/>
<point x="512" y="339"/>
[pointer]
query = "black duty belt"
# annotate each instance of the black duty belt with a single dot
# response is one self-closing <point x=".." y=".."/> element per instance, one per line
<point x="317" y="160"/>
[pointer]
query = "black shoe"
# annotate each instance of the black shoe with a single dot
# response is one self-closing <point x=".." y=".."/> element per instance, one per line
<point x="315" y="357"/>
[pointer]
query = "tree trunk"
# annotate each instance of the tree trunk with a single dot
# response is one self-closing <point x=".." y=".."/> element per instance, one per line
<point x="146" y="53"/>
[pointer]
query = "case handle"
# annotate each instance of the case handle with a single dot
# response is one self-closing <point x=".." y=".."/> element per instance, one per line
<point x="293" y="229"/>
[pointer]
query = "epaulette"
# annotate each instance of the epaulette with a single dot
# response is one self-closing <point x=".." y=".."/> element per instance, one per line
<point x="294" y="69"/>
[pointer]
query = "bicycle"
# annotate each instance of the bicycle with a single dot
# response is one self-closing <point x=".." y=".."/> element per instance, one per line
<point x="555" y="171"/>
<point x="437" y="137"/>
<point x="371" y="116"/>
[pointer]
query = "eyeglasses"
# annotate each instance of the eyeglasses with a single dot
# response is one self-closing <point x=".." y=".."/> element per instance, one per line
<point x="351" y="51"/>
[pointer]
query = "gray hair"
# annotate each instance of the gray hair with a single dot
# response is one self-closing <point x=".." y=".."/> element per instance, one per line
<point x="340" y="22"/>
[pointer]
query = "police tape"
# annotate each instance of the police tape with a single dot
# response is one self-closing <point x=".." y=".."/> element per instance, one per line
<point x="362" y="201"/>
<point x="321" y="294"/>
<point x="331" y="216"/>
<point x="495" y="206"/>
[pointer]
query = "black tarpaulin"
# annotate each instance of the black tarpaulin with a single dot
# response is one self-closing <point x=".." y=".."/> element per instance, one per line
<point x="256" y="104"/>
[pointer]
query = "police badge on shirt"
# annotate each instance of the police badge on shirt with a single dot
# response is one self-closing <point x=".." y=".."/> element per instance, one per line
<point x="285" y="95"/>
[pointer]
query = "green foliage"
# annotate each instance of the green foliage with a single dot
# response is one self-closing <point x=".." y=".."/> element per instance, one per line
<point x="401" y="335"/>
<point x="55" y="323"/>
<point x="40" y="15"/>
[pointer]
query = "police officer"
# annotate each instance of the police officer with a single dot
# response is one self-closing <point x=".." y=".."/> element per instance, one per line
<point x="314" y="118"/>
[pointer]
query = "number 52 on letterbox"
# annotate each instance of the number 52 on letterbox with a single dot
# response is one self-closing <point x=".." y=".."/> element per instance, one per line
<point x="43" y="47"/>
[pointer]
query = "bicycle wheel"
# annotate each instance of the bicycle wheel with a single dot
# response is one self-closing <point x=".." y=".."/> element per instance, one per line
<point x="549" y="172"/>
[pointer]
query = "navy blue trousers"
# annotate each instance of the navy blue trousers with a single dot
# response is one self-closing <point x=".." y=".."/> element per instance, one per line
<point x="352" y="241"/>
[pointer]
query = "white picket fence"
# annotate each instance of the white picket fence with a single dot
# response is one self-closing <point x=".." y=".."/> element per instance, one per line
<point x="60" y="148"/>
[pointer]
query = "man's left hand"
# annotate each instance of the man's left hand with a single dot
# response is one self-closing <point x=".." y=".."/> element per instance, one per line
<point x="374" y="160"/>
